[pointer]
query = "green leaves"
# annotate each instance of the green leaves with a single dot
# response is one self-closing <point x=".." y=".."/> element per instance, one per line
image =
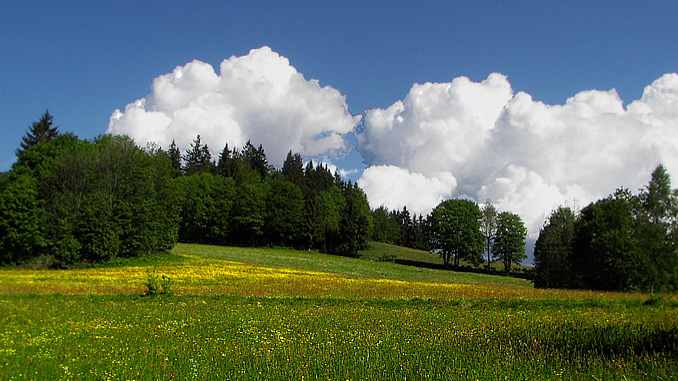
<point x="454" y="231"/>
<point x="88" y="201"/>
<point x="509" y="240"/>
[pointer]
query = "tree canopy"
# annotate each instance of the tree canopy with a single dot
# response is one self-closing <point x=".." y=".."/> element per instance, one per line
<point x="454" y="231"/>
<point x="625" y="241"/>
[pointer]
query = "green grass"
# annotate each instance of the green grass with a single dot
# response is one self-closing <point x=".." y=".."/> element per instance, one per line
<point x="380" y="250"/>
<point x="248" y="314"/>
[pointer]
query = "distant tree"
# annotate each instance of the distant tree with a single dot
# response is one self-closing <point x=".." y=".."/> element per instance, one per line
<point x="284" y="213"/>
<point x="406" y="228"/>
<point x="40" y="131"/>
<point x="509" y="240"/>
<point x="293" y="169"/>
<point x="454" y="231"/>
<point x="174" y="156"/>
<point x="249" y="212"/>
<point x="224" y="163"/>
<point x="488" y="226"/>
<point x="419" y="240"/>
<point x="605" y="244"/>
<point x="656" y="214"/>
<point x="21" y="212"/>
<point x="386" y="227"/>
<point x="198" y="159"/>
<point x="658" y="201"/>
<point x="206" y="209"/>
<point x="552" y="250"/>
<point x="356" y="222"/>
<point x="255" y="158"/>
<point x="324" y="219"/>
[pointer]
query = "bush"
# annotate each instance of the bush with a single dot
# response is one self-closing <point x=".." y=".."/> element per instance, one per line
<point x="157" y="285"/>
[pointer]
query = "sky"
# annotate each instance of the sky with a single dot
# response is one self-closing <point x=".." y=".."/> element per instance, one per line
<point x="529" y="104"/>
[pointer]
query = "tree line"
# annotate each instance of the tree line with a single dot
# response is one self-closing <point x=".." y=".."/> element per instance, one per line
<point x="458" y="230"/>
<point x="69" y="200"/>
<point x="623" y="242"/>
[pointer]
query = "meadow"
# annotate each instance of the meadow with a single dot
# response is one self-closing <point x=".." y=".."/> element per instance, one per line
<point x="242" y="313"/>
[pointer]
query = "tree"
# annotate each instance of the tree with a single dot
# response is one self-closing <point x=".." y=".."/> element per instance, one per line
<point x="509" y="240"/>
<point x="324" y="219"/>
<point x="284" y="213"/>
<point x="255" y="158"/>
<point x="488" y="226"/>
<point x="21" y="211"/>
<point x="604" y="244"/>
<point x="249" y="212"/>
<point x="40" y="131"/>
<point x="356" y="222"/>
<point x="552" y="250"/>
<point x="174" y="156"/>
<point x="95" y="200"/>
<point x="454" y="231"/>
<point x="206" y="208"/>
<point x="293" y="169"/>
<point x="198" y="159"/>
<point x="386" y="227"/>
<point x="656" y="215"/>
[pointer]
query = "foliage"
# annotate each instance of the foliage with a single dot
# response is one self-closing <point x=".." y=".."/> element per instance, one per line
<point x="284" y="213"/>
<point x="454" y="231"/>
<point x="398" y="228"/>
<point x="40" y="131"/>
<point x="509" y="240"/>
<point x="623" y="242"/>
<point x="21" y="233"/>
<point x="206" y="208"/>
<point x="88" y="201"/>
<point x="552" y="250"/>
<point x="488" y="226"/>
<point x="198" y="159"/>
<point x="157" y="285"/>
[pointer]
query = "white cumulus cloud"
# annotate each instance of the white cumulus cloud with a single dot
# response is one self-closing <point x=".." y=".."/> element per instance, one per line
<point x="394" y="187"/>
<point x="258" y="97"/>
<point x="528" y="157"/>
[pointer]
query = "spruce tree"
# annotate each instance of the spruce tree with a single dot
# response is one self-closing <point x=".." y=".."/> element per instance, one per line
<point x="40" y="131"/>
<point x="198" y="159"/>
<point x="174" y="155"/>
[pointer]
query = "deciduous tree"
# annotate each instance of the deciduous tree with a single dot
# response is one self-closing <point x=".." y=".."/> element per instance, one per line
<point x="552" y="250"/>
<point x="509" y="240"/>
<point x="454" y="231"/>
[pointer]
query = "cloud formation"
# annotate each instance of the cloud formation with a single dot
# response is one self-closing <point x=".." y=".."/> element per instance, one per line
<point x="257" y="97"/>
<point x="528" y="157"/>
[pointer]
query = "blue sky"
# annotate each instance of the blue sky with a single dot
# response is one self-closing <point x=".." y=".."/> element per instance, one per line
<point x="83" y="60"/>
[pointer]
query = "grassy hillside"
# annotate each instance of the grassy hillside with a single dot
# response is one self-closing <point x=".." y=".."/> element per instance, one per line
<point x="388" y="252"/>
<point x="241" y="313"/>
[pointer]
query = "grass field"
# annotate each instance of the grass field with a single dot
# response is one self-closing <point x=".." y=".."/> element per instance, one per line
<point x="385" y="251"/>
<point x="282" y="314"/>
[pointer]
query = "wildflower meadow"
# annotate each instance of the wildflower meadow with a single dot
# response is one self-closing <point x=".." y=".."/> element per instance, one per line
<point x="236" y="313"/>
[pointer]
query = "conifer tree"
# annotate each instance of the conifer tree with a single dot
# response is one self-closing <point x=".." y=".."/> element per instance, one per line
<point x="198" y="159"/>
<point x="42" y="130"/>
<point x="175" y="157"/>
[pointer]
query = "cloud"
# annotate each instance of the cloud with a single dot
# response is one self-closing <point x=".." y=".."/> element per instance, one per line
<point x="528" y="157"/>
<point x="394" y="187"/>
<point x="257" y="97"/>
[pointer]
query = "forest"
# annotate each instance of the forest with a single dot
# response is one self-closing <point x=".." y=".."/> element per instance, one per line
<point x="70" y="201"/>
<point x="625" y="241"/>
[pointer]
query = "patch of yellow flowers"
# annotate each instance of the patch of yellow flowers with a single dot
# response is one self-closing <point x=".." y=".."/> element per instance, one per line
<point x="204" y="276"/>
